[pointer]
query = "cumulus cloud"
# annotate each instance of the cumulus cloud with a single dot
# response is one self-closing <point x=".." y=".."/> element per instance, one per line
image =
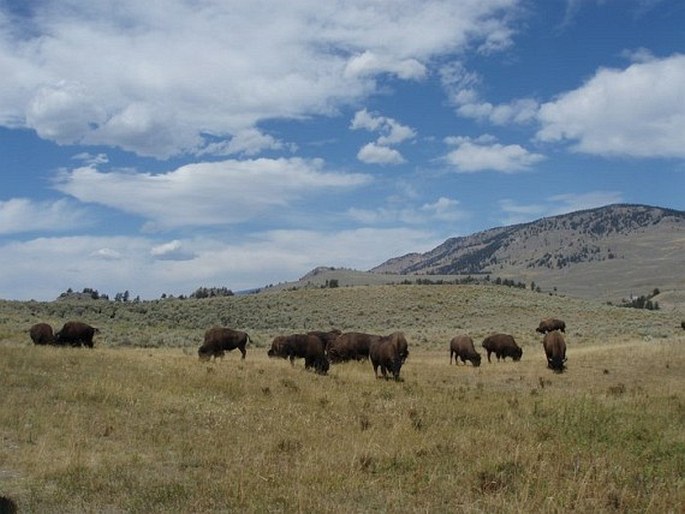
<point x="171" y="251"/>
<point x="484" y="154"/>
<point x="373" y="153"/>
<point x="392" y="133"/>
<point x="157" y="78"/>
<point x="212" y="193"/>
<point x="19" y="215"/>
<point x="638" y="111"/>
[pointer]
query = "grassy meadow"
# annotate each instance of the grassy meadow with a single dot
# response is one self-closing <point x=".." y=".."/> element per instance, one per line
<point x="139" y="424"/>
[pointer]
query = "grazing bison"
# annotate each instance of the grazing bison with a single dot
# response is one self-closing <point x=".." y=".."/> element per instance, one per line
<point x="549" y="324"/>
<point x="219" y="340"/>
<point x="76" y="333"/>
<point x="503" y="346"/>
<point x="461" y="347"/>
<point x="41" y="333"/>
<point x="555" y="350"/>
<point x="388" y="352"/>
<point x="309" y="347"/>
<point x="351" y="346"/>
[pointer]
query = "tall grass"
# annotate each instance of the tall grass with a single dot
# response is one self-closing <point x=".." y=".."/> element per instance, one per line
<point x="127" y="428"/>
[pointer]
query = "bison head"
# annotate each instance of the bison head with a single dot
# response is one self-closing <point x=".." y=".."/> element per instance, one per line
<point x="518" y="352"/>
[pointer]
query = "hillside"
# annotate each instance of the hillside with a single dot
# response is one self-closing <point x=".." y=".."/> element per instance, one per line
<point x="608" y="253"/>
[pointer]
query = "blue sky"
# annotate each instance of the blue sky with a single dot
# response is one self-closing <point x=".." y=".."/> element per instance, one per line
<point x="157" y="147"/>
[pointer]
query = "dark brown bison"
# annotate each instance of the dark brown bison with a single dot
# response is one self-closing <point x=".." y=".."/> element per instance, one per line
<point x="327" y="337"/>
<point x="219" y="340"/>
<point x="41" y="333"/>
<point x="76" y="333"/>
<point x="549" y="324"/>
<point x="351" y="346"/>
<point x="503" y="346"/>
<point x="388" y="353"/>
<point x="7" y="505"/>
<point x="461" y="347"/>
<point x="309" y="347"/>
<point x="555" y="350"/>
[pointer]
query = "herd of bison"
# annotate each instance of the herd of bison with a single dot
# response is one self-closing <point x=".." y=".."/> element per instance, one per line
<point x="319" y="349"/>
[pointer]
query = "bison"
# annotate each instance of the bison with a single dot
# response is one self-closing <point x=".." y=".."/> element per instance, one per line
<point x="41" y="333"/>
<point x="549" y="324"/>
<point x="309" y="347"/>
<point x="555" y="350"/>
<point x="327" y="337"/>
<point x="351" y="346"/>
<point x="219" y="340"/>
<point x="388" y="353"/>
<point x="76" y="333"/>
<point x="503" y="346"/>
<point x="461" y="347"/>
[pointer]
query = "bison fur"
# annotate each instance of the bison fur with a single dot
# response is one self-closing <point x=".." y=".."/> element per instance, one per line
<point x="351" y="346"/>
<point x="555" y="351"/>
<point x="550" y="324"/>
<point x="219" y="340"/>
<point x="503" y="346"/>
<point x="41" y="333"/>
<point x="309" y="347"/>
<point x="76" y="333"/>
<point x="461" y="347"/>
<point x="388" y="353"/>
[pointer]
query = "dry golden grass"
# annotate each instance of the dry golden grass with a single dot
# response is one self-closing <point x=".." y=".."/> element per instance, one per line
<point x="122" y="428"/>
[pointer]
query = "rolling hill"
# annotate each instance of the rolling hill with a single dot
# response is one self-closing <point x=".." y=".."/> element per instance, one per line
<point x="609" y="253"/>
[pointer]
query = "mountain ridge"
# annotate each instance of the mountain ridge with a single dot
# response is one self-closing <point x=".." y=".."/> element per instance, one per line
<point x="611" y="253"/>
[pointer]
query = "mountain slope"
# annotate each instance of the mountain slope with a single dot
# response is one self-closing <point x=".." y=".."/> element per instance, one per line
<point x="607" y="253"/>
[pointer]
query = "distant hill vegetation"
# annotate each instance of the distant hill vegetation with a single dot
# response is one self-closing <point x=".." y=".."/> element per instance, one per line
<point x="614" y="253"/>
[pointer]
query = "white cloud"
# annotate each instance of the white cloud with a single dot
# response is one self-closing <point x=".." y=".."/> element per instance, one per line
<point x="563" y="203"/>
<point x="247" y="142"/>
<point x="215" y="193"/>
<point x="635" y="112"/>
<point x="483" y="154"/>
<point x="19" y="215"/>
<point x="43" y="268"/>
<point x="369" y="64"/>
<point x="373" y="153"/>
<point x="171" y="251"/>
<point x="443" y="209"/>
<point x="462" y="87"/>
<point x="392" y="133"/>
<point x="154" y="78"/>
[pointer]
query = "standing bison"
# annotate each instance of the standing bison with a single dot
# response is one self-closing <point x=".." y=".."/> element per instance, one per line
<point x="41" y="333"/>
<point x="503" y="346"/>
<point x="219" y="340"/>
<point x="388" y="353"/>
<point x="76" y="333"/>
<point x="351" y="346"/>
<point x="550" y="324"/>
<point x="309" y="347"/>
<point x="555" y="350"/>
<point x="461" y="347"/>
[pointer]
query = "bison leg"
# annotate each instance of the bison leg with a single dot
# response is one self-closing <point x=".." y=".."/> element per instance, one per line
<point x="451" y="354"/>
<point x="489" y="352"/>
<point x="243" y="351"/>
